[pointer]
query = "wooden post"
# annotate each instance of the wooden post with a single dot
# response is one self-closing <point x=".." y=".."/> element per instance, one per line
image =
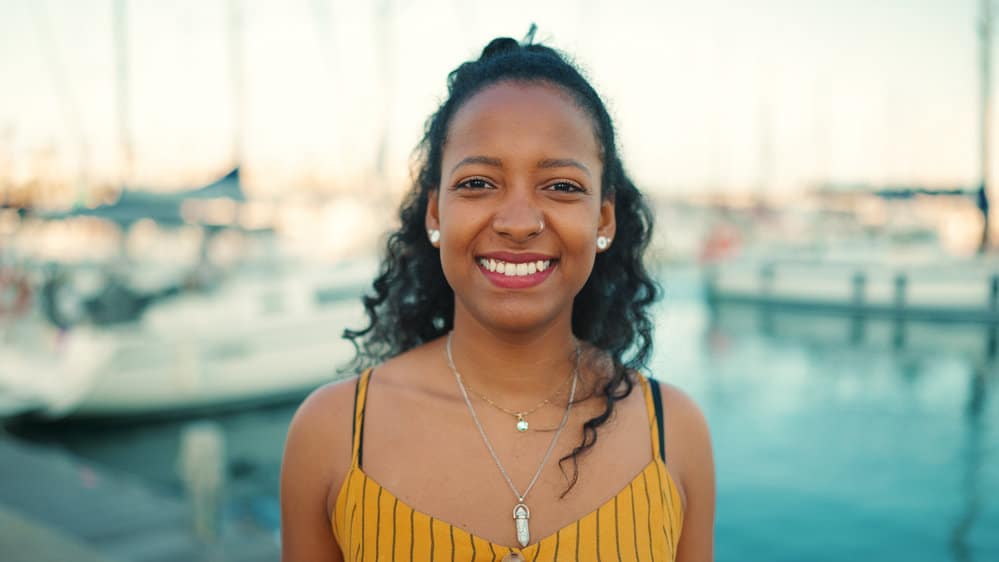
<point x="901" y="281"/>
<point x="985" y="116"/>
<point x="202" y="467"/>
<point x="857" y="322"/>
<point x="994" y="293"/>
<point x="859" y="289"/>
<point x="767" y="275"/>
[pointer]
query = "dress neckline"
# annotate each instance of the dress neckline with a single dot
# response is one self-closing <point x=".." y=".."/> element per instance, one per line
<point x="655" y="466"/>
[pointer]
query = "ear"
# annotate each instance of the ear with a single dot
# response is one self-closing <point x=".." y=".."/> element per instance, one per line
<point x="432" y="220"/>
<point x="608" y="225"/>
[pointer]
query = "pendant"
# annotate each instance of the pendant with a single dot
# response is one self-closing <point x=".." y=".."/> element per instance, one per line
<point x="520" y="516"/>
<point x="521" y="423"/>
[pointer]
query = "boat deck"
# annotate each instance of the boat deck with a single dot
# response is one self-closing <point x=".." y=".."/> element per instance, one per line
<point x="54" y="506"/>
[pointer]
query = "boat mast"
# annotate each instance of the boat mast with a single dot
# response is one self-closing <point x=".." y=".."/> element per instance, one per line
<point x="765" y="175"/>
<point x="985" y="35"/>
<point x="68" y="105"/>
<point x="384" y="12"/>
<point x="119" y="22"/>
<point x="236" y="70"/>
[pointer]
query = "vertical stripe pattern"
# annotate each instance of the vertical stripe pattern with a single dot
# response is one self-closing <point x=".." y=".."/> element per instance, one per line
<point x="642" y="522"/>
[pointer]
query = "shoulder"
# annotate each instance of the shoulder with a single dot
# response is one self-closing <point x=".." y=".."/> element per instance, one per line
<point x="326" y="414"/>
<point x="683" y="413"/>
<point x="688" y="441"/>
<point x="318" y="446"/>
<point x="317" y="457"/>
<point x="689" y="456"/>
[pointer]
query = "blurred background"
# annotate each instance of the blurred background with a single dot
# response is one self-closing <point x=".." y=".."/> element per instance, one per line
<point x="192" y="196"/>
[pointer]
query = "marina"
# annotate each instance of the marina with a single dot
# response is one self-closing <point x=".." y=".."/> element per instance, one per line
<point x="196" y="351"/>
<point x="940" y="289"/>
<point x="195" y="197"/>
<point x="818" y="436"/>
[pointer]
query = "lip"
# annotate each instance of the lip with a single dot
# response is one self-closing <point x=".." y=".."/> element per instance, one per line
<point x="520" y="281"/>
<point x="511" y="257"/>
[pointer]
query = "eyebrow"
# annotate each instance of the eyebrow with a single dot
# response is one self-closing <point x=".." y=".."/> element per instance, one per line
<point x="494" y="162"/>
<point x="563" y="163"/>
<point x="544" y="164"/>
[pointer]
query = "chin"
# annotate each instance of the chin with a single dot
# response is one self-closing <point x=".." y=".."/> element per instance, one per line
<point x="517" y="317"/>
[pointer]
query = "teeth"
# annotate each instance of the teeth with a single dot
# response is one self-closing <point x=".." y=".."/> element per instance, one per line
<point x="515" y="269"/>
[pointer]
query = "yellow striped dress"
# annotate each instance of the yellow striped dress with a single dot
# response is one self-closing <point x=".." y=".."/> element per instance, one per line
<point x="641" y="523"/>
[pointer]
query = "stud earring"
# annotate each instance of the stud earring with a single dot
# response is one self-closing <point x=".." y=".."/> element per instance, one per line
<point x="603" y="242"/>
<point x="435" y="235"/>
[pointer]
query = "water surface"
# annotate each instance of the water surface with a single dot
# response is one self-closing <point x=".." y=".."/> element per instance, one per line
<point x="835" y="439"/>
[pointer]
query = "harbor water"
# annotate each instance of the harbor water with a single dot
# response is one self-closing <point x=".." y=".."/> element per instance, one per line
<point x="835" y="438"/>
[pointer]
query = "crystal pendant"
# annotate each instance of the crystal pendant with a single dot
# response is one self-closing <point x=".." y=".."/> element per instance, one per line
<point x="521" y="424"/>
<point x="520" y="517"/>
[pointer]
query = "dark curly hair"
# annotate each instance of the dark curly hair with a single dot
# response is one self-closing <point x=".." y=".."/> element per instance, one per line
<point x="412" y="302"/>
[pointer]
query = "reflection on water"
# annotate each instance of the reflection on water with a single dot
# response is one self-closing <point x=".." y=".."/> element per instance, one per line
<point x="971" y="485"/>
<point x="835" y="439"/>
<point x="849" y="438"/>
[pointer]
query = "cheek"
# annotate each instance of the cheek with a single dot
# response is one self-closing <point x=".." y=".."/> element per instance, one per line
<point x="462" y="221"/>
<point x="579" y="240"/>
<point x="457" y="236"/>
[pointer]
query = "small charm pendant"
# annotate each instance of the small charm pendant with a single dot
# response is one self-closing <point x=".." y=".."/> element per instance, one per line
<point x="521" y="424"/>
<point x="520" y="516"/>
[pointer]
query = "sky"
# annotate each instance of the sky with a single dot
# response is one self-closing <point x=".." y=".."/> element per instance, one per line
<point x="743" y="95"/>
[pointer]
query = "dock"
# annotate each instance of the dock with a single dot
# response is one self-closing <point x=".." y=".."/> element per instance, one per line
<point x="55" y="506"/>
<point x="955" y="291"/>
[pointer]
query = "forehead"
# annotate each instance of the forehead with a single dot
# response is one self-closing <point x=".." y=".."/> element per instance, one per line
<point x="523" y="118"/>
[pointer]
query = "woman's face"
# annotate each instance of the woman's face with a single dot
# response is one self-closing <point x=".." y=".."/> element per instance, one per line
<point x="519" y="206"/>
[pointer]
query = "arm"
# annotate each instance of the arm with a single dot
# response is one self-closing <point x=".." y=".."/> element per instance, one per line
<point x="688" y="445"/>
<point x="316" y="460"/>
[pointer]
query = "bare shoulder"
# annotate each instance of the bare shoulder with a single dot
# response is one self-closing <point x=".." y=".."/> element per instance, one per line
<point x="689" y="455"/>
<point x="687" y="438"/>
<point x="317" y="457"/>
<point x="321" y="434"/>
<point x="327" y="409"/>
<point x="684" y="415"/>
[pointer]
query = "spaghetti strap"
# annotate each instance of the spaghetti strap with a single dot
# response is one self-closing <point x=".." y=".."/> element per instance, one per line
<point x="654" y="402"/>
<point x="357" y="429"/>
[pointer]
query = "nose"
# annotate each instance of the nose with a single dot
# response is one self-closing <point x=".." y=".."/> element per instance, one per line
<point x="518" y="218"/>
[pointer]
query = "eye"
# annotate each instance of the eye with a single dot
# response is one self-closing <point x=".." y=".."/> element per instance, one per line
<point x="473" y="183"/>
<point x="566" y="187"/>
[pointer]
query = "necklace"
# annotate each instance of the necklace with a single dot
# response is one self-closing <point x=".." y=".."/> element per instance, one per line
<point x="522" y="424"/>
<point x="521" y="513"/>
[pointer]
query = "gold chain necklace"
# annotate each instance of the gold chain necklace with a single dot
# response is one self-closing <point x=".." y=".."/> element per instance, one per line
<point x="522" y="424"/>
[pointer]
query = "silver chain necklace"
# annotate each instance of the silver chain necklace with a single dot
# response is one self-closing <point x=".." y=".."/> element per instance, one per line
<point x="521" y="513"/>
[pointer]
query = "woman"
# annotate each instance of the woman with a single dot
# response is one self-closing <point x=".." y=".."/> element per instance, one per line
<point x="501" y="414"/>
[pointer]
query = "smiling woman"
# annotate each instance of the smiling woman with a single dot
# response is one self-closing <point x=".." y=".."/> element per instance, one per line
<point x="508" y="330"/>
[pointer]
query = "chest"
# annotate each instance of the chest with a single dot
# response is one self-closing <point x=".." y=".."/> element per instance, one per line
<point x="431" y="456"/>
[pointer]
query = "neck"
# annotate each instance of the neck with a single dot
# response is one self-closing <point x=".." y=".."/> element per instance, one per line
<point x="519" y="365"/>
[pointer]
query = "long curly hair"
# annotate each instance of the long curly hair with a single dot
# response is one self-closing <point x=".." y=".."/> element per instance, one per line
<point x="412" y="302"/>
